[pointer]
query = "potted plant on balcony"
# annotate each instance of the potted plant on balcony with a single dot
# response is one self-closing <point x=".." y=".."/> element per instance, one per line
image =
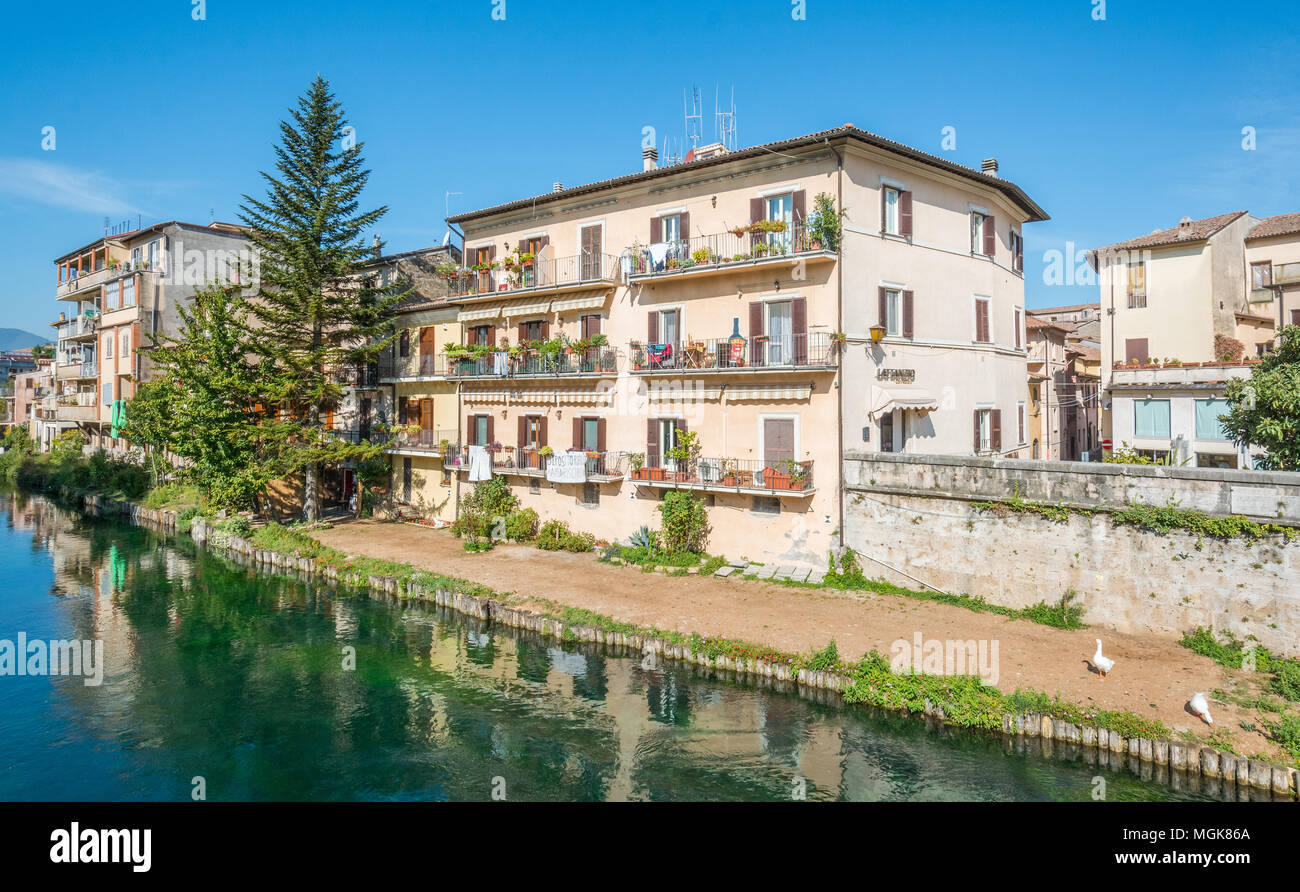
<point x="729" y="472"/>
<point x="637" y="461"/>
<point x="685" y="455"/>
<point x="535" y="457"/>
<point x="701" y="256"/>
<point x="797" y="473"/>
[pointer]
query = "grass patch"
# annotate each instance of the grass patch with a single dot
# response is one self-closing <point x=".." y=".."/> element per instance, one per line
<point x="1234" y="654"/>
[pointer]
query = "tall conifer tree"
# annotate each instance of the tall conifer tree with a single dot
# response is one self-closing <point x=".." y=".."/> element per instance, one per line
<point x="316" y="312"/>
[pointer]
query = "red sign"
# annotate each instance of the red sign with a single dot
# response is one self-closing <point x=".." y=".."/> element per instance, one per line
<point x="1105" y="444"/>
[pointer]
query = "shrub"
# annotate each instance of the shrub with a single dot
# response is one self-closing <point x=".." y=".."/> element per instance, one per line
<point x="579" y="542"/>
<point x="186" y="517"/>
<point x="552" y="535"/>
<point x="237" y="526"/>
<point x="479" y="510"/>
<point x="685" y="522"/>
<point x="476" y="544"/>
<point x="521" y="525"/>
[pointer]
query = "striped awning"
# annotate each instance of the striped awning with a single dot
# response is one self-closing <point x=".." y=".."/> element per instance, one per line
<point x="579" y="397"/>
<point x="533" y="397"/>
<point x="486" y="396"/>
<point x="476" y="313"/>
<point x="588" y="301"/>
<point x="683" y="393"/>
<point x="770" y="392"/>
<point x="527" y="308"/>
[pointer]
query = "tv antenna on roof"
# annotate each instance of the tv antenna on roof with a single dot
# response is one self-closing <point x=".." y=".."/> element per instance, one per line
<point x="668" y="155"/>
<point x="693" y="119"/>
<point x="724" y="122"/>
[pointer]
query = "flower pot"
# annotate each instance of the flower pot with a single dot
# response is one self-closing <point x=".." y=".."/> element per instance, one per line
<point x="656" y="473"/>
<point x="729" y="480"/>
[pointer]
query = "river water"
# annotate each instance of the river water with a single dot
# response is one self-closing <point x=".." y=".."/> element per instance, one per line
<point x="257" y="687"/>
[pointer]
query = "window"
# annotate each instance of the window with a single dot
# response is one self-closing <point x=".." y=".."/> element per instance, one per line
<point x="766" y="505"/>
<point x="590" y="325"/>
<point x="983" y="331"/>
<point x="1151" y="419"/>
<point x="1137" y="285"/>
<point x="1017" y="251"/>
<point x="1261" y="274"/>
<point x="1215" y="460"/>
<point x="891" y="211"/>
<point x="671" y="228"/>
<point x="406" y="480"/>
<point x="128" y="291"/>
<point x="481" y="334"/>
<point x="778" y="441"/>
<point x="1019" y="340"/>
<point x="126" y="345"/>
<point x="662" y="437"/>
<point x="591" y="494"/>
<point x="1020" y="422"/>
<point x="780" y="207"/>
<point x="108" y="392"/>
<point x="404" y="343"/>
<point x="664" y="326"/>
<point x="887" y="432"/>
<point x="111" y="295"/>
<point x="532" y="432"/>
<point x="590" y="435"/>
<point x="108" y="346"/>
<point x="981" y="234"/>
<point x="481" y="430"/>
<point x="893" y="312"/>
<point x="988" y="430"/>
<point x="1295" y="317"/>
<point x="780" y="332"/>
<point x="153" y="254"/>
<point x="532" y="331"/>
<point x="1208" y="426"/>
<point x="137" y="257"/>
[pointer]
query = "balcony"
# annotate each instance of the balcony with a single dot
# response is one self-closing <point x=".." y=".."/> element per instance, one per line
<point x="518" y="461"/>
<point x="813" y="350"/>
<point x="73" y="287"/>
<point x="724" y="252"/>
<point x="434" y="442"/>
<point x="534" y="276"/>
<point x="72" y="367"/>
<point x="80" y="406"/>
<point x="79" y="327"/>
<point x="1286" y="273"/>
<point x="532" y="364"/>
<point x="740" y="475"/>
<point x="365" y="375"/>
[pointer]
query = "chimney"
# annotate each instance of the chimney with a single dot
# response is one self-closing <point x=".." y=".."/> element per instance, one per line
<point x="649" y="158"/>
<point x="557" y="187"/>
<point x="375" y="248"/>
<point x="990" y="166"/>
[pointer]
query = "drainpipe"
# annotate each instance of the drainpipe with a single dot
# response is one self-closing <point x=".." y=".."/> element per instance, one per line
<point x="839" y="326"/>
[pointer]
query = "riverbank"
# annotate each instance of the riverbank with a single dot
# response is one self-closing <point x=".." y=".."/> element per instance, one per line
<point x="1030" y="652"/>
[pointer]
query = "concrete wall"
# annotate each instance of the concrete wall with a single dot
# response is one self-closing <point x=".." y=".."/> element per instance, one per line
<point x="916" y="523"/>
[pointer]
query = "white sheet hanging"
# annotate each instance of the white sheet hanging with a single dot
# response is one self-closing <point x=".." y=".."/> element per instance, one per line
<point x="480" y="464"/>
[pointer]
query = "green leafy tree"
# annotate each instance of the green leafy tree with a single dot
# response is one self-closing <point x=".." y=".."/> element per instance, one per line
<point x="206" y="402"/>
<point x="1265" y="408"/>
<point x="316" y="310"/>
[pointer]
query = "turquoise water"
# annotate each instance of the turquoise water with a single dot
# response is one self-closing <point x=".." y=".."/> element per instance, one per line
<point x="215" y="672"/>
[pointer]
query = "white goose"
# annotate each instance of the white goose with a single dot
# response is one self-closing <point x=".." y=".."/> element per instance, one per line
<point x="1201" y="706"/>
<point x="1103" y="664"/>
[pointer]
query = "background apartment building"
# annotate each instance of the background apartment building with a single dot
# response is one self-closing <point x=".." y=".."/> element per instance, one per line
<point x="601" y="322"/>
<point x="119" y="290"/>
<point x="1183" y="300"/>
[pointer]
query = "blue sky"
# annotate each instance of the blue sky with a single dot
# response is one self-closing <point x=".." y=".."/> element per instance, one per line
<point x="1116" y="127"/>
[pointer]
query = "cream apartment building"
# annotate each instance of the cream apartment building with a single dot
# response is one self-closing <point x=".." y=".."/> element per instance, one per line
<point x="1273" y="268"/>
<point x="118" y="290"/>
<point x="602" y="321"/>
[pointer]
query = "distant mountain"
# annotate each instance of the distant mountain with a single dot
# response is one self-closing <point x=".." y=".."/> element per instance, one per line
<point x="17" y="339"/>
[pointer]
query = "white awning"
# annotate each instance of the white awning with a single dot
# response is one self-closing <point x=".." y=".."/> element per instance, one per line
<point x="471" y="315"/>
<point x="901" y="396"/>
<point x="689" y="392"/>
<point x="533" y="397"/>
<point x="578" y="397"/>
<point x="770" y="392"/>
<point x="485" y="396"/>
<point x="527" y="308"/>
<point x="589" y="301"/>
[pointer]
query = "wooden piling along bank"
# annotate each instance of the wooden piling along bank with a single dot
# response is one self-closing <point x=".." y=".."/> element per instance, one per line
<point x="1178" y="764"/>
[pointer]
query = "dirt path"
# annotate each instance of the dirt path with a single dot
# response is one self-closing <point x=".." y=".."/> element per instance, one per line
<point x="1153" y="677"/>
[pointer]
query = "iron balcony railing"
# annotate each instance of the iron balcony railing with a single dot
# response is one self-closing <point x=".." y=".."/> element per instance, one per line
<point x="442" y="441"/>
<point x="89" y="368"/>
<point x="530" y="461"/>
<point x="720" y="250"/>
<point x="593" y="360"/>
<point x="81" y="326"/>
<point x="360" y="375"/>
<point x="784" y="475"/>
<point x="534" y="275"/>
<point x="719" y="354"/>
<point x="103" y="274"/>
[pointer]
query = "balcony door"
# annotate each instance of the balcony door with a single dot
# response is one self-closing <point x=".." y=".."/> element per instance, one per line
<point x="428" y="350"/>
<point x="778" y="441"/>
<point x="592" y="243"/>
<point x="780" y="332"/>
<point x="780" y="208"/>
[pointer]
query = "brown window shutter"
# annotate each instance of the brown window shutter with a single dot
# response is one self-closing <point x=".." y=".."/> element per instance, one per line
<point x="541" y="431"/>
<point x="523" y="246"/>
<point x="995" y="429"/>
<point x="1295" y="317"/>
<point x="799" y="206"/>
<point x="884" y="206"/>
<point x="977" y="430"/>
<point x="905" y="213"/>
<point x="577" y="432"/>
<point x="546" y="330"/>
<point x="492" y="252"/>
<point x="990" y="236"/>
<point x="470" y="428"/>
<point x="600" y="435"/>
<point x="755" y="320"/>
<point x="471" y="337"/>
<point x="652" y="327"/>
<point x="680" y="424"/>
<point x="490" y="437"/>
<point x="1136" y="349"/>
<point x="546" y="240"/>
<point x="656" y="230"/>
<point x="401" y="411"/>
<point x="799" y="328"/>
<point x="651" y="439"/>
<point x="523" y="431"/>
<point x="907" y="314"/>
<point x="685" y="226"/>
<point x="755" y="210"/>
<point x="523" y="334"/>
<point x="491" y="340"/>
<point x="884" y="306"/>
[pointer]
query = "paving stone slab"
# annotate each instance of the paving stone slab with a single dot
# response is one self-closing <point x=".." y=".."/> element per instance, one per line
<point x="724" y="571"/>
<point x="766" y="572"/>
